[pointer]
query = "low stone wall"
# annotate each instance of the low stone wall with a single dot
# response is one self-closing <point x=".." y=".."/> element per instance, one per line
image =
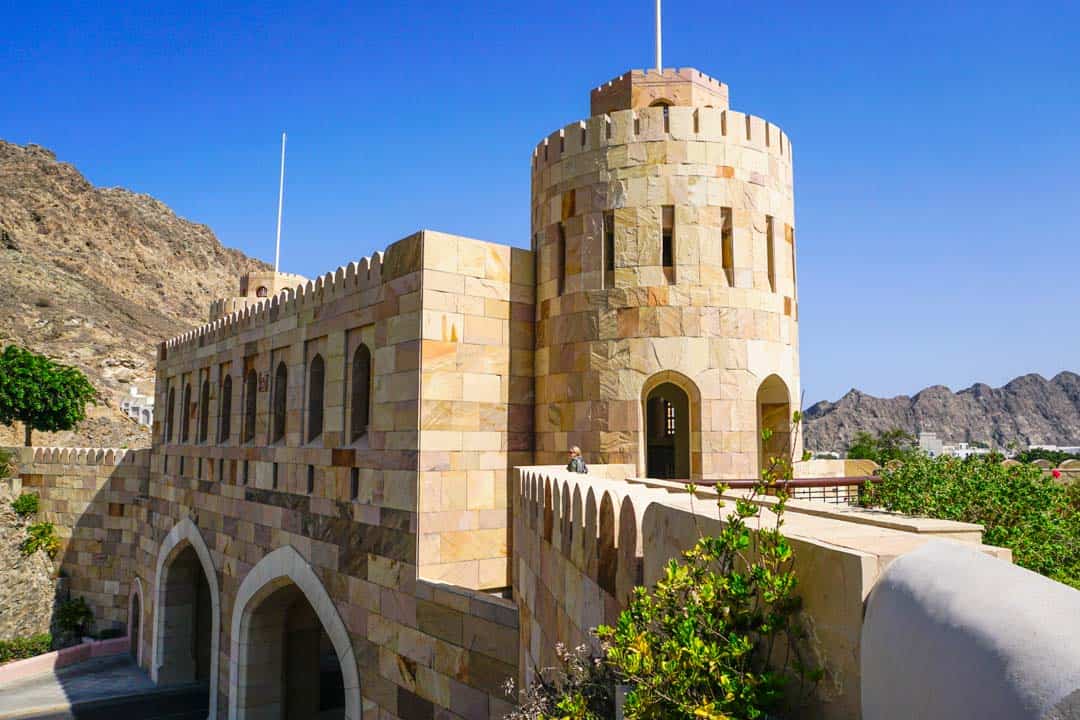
<point x="949" y="633"/>
<point x="581" y="544"/>
<point x="91" y="496"/>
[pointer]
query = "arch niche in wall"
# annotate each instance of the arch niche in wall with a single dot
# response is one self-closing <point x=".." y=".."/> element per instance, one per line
<point x="774" y="413"/>
<point x="670" y="427"/>
<point x="284" y="616"/>
<point x="184" y="613"/>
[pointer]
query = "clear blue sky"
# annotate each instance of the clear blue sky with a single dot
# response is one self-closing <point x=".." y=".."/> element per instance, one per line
<point x="936" y="144"/>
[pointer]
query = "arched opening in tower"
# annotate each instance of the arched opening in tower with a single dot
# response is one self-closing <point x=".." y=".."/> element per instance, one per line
<point x="774" y="414"/>
<point x="188" y="618"/>
<point x="297" y="673"/>
<point x="133" y="625"/>
<point x="667" y="432"/>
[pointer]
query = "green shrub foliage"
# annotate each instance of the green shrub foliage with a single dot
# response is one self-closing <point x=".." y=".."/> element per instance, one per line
<point x="25" y="505"/>
<point x="74" y="616"/>
<point x="25" y="647"/>
<point x="7" y="465"/>
<point x="703" y="642"/>
<point x="1018" y="506"/>
<point x="41" y="536"/>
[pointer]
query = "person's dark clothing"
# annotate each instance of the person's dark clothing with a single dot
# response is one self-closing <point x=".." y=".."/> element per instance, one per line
<point x="577" y="465"/>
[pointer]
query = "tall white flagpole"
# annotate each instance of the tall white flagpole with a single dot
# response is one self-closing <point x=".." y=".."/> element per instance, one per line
<point x="659" y="51"/>
<point x="280" y="197"/>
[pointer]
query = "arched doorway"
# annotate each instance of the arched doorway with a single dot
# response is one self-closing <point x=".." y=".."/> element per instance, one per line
<point x="186" y="612"/>
<point x="185" y="652"/>
<point x="305" y="665"/>
<point x="134" y="625"/>
<point x="773" y="413"/>
<point x="667" y="432"/>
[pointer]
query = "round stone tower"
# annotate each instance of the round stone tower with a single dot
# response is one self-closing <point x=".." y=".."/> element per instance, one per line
<point x="667" y="310"/>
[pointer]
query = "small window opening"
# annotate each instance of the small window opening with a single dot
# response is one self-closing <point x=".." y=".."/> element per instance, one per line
<point x="225" y="410"/>
<point x="747" y="127"/>
<point x="221" y="470"/>
<point x="361" y="393"/>
<point x="354" y="483"/>
<point x="261" y="291"/>
<point x="185" y="421"/>
<point x="584" y="136"/>
<point x="668" y="237"/>
<point x="166" y="469"/>
<point x="727" y="246"/>
<point x="637" y="126"/>
<point x="770" y="252"/>
<point x="560" y="258"/>
<point x="562" y="144"/>
<point x="244" y="474"/>
<point x="316" y="387"/>
<point x="204" y="412"/>
<point x="609" y="241"/>
<point x="697" y="122"/>
<point x="310" y="479"/>
<point x="790" y="231"/>
<point x="274" y="478"/>
<point x="198" y="469"/>
<point x="251" y="388"/>
<point x="768" y="131"/>
<point x="723" y="122"/>
<point x="607" y="129"/>
<point x="281" y="383"/>
<point x="182" y="458"/>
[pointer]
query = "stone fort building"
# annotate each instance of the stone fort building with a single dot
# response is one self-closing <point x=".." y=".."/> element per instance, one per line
<point x="345" y="508"/>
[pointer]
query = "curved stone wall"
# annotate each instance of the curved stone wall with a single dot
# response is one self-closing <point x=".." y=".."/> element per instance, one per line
<point x="610" y="314"/>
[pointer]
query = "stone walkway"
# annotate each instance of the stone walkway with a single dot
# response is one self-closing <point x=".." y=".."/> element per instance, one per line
<point x="91" y="680"/>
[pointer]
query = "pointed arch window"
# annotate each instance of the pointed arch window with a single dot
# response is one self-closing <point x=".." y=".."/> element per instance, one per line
<point x="225" y="410"/>
<point x="170" y="415"/>
<point x="204" y="411"/>
<point x="360" y="393"/>
<point x="281" y="382"/>
<point x="185" y="419"/>
<point x="251" y="387"/>
<point x="316" y="389"/>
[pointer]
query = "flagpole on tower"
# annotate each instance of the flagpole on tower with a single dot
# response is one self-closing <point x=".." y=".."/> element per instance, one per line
<point x="659" y="50"/>
<point x="280" y="197"/>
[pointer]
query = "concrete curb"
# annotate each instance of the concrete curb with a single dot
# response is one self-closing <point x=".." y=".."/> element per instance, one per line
<point x="21" y="669"/>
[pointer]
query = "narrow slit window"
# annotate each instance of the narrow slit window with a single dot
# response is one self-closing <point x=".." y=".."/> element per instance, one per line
<point x="185" y="420"/>
<point x="170" y="415"/>
<point x="274" y="479"/>
<point x="609" y="241"/>
<point x="281" y="382"/>
<point x="354" y="483"/>
<point x="727" y="245"/>
<point x="221" y="470"/>
<point x="310" y="479"/>
<point x="790" y="231"/>
<point x="316" y="386"/>
<point x="361" y="392"/>
<point x="668" y="236"/>
<point x="251" y="389"/>
<point x="560" y="258"/>
<point x="225" y="410"/>
<point x="204" y="412"/>
<point x="244" y="475"/>
<point x="182" y="458"/>
<point x="770" y="252"/>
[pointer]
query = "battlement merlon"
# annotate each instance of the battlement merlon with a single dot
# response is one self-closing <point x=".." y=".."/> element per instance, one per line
<point x="680" y="87"/>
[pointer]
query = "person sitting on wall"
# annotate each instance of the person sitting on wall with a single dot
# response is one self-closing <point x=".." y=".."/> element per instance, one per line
<point x="577" y="463"/>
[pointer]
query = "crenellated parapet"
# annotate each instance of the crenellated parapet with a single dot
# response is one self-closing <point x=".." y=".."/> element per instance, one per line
<point x="658" y="124"/>
<point x="81" y="456"/>
<point x="365" y="275"/>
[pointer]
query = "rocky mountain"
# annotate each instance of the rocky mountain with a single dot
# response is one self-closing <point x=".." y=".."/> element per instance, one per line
<point x="96" y="277"/>
<point x="1028" y="410"/>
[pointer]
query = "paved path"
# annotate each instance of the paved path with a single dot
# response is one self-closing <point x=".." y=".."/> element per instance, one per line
<point x="84" y="691"/>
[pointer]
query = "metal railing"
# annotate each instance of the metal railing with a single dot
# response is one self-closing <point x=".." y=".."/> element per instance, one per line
<point x="836" y="490"/>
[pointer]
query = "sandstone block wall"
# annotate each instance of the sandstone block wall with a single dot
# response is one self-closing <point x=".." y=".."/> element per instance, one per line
<point x="609" y="322"/>
<point x="476" y="404"/>
<point x="94" y="497"/>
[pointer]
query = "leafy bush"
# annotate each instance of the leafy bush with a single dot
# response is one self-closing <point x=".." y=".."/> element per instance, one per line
<point x="704" y="641"/>
<point x="74" y="616"/>
<point x="25" y="647"/>
<point x="109" y="633"/>
<point x="582" y="688"/>
<point x="41" y="536"/>
<point x="1035" y="517"/>
<point x="25" y="505"/>
<point x="7" y="464"/>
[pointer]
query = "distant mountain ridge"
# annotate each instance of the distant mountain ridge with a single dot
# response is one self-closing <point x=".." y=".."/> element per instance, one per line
<point x="1028" y="410"/>
<point x="96" y="278"/>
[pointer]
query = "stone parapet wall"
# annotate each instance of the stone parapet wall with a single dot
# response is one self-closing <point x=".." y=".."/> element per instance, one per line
<point x="94" y="497"/>
<point x="582" y="543"/>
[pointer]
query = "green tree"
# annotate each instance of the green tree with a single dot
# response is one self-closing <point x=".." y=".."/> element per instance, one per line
<point x="894" y="444"/>
<point x="40" y="393"/>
